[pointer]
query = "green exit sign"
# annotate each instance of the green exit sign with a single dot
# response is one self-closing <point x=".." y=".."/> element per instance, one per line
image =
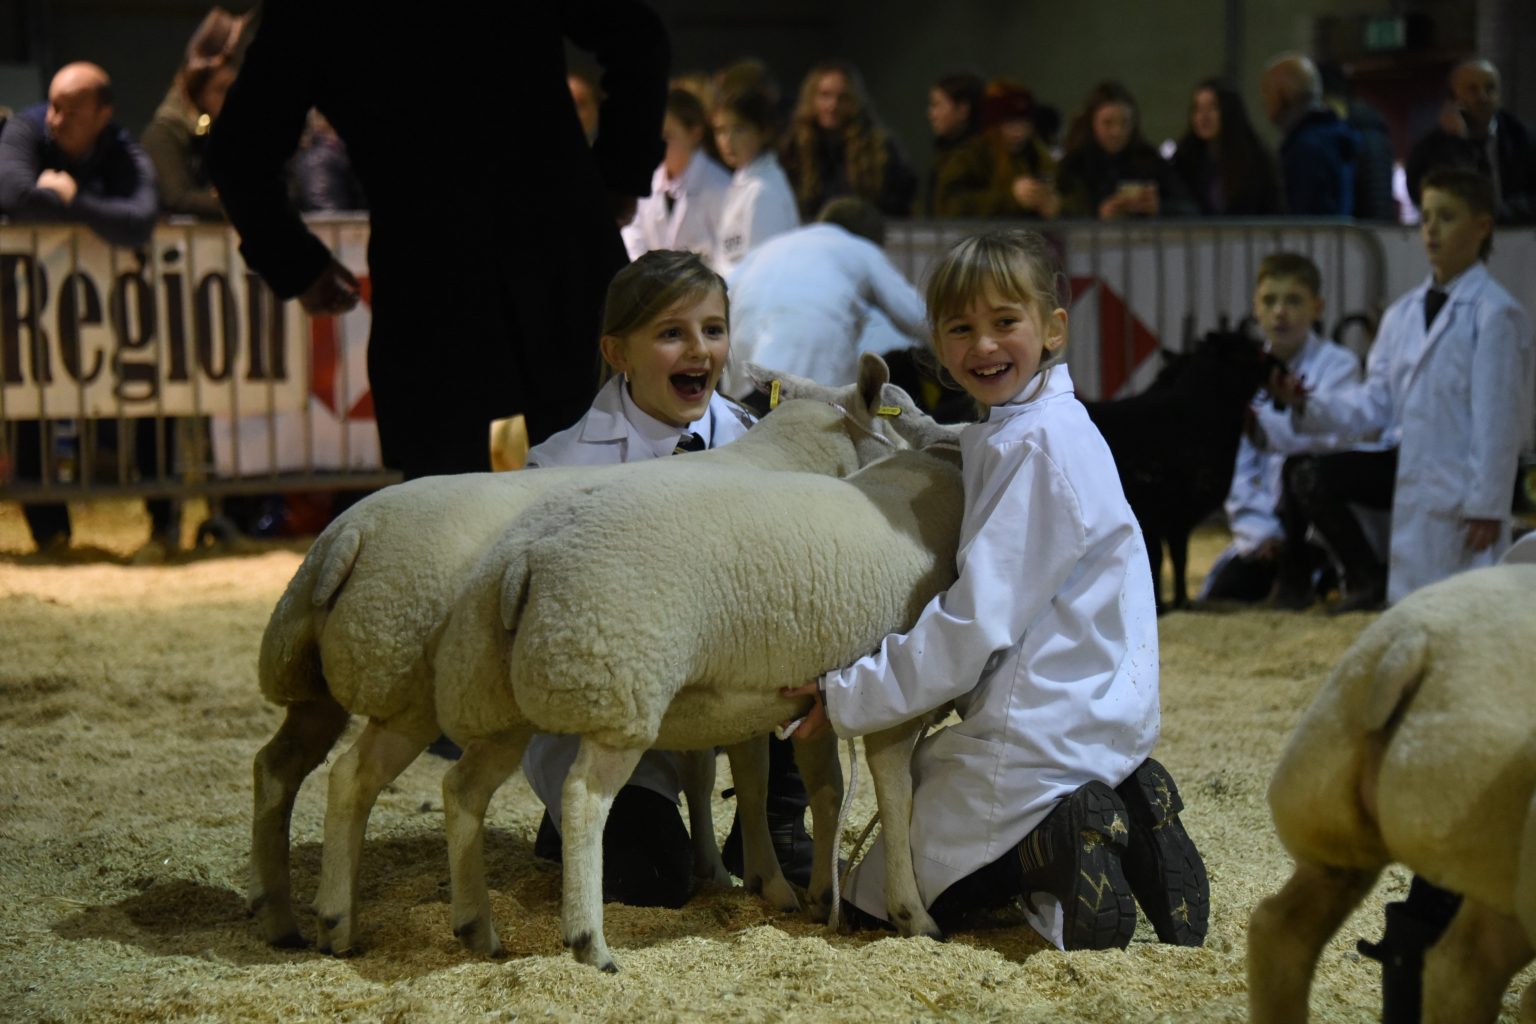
<point x="1386" y="33"/>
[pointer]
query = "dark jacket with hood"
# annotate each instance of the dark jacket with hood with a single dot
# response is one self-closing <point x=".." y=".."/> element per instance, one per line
<point x="1317" y="165"/>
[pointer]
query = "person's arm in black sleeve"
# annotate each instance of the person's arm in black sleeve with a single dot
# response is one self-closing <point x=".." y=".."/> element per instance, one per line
<point x="126" y="217"/>
<point x="631" y="45"/>
<point x="20" y="164"/>
<point x="256" y="133"/>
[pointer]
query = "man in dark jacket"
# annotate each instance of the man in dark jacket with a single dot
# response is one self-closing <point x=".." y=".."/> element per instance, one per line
<point x="65" y="161"/>
<point x="1477" y="135"/>
<point x="1318" y="151"/>
<point x="493" y="222"/>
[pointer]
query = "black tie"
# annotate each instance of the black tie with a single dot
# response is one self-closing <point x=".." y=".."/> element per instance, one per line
<point x="1434" y="300"/>
<point x="689" y="442"/>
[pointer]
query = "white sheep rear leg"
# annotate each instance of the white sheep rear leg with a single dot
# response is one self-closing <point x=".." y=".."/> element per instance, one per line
<point x="594" y="780"/>
<point x="696" y="771"/>
<point x="823" y="776"/>
<point x="300" y="744"/>
<point x="357" y="778"/>
<point x="467" y="790"/>
<point x="1287" y="932"/>
<point x="1468" y="969"/>
<point x="760" y="870"/>
<point x="889" y="754"/>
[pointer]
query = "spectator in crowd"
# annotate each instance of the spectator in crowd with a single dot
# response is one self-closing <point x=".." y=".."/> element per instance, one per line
<point x="323" y="179"/>
<point x="178" y="133"/>
<point x="1287" y="302"/>
<point x="800" y="302"/>
<point x="759" y="204"/>
<point x="1220" y="162"/>
<point x="1110" y="171"/>
<point x="1318" y="150"/>
<point x="1478" y="135"/>
<point x="1023" y="170"/>
<point x="584" y="94"/>
<point x="66" y="160"/>
<point x="687" y="191"/>
<point x="962" y="160"/>
<point x="836" y="146"/>
<point x="1375" y="164"/>
<point x="1447" y="390"/>
<point x="486" y="292"/>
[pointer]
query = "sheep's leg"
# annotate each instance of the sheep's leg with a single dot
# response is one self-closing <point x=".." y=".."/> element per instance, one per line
<point x="760" y="870"/>
<point x="1287" y="932"/>
<point x="357" y="778"/>
<point x="1178" y="561"/>
<point x="889" y="754"/>
<point x="308" y="732"/>
<point x="467" y="790"/>
<point x="594" y="780"/>
<point x="1467" y="971"/>
<point x="823" y="776"/>
<point x="696" y="769"/>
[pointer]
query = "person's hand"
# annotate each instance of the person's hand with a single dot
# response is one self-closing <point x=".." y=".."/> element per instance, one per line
<point x="1289" y="390"/>
<point x="1113" y="208"/>
<point x="623" y="208"/>
<point x="1037" y="194"/>
<point x="1451" y="121"/>
<point x="1145" y="201"/>
<point x="814" y="722"/>
<point x="61" y="183"/>
<point x="333" y="292"/>
<point x="1481" y="533"/>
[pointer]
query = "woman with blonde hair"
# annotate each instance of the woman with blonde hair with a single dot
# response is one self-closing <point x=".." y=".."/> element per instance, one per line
<point x="836" y="146"/>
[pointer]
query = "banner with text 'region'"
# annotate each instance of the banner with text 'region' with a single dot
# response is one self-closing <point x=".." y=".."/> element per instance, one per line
<point x="183" y="328"/>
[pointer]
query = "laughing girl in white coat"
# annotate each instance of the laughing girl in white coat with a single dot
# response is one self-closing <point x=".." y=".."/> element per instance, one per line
<point x="1046" y="644"/>
<point x="1451" y="389"/>
<point x="665" y="334"/>
<point x="687" y="191"/>
<point x="760" y="203"/>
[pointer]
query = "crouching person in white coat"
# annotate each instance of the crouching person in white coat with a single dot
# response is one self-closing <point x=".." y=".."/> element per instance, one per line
<point x="801" y="301"/>
<point x="666" y="335"/>
<point x="1046" y="643"/>
<point x="1448" y="385"/>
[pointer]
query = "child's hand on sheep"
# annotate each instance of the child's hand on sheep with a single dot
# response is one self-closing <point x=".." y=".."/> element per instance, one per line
<point x="814" y="722"/>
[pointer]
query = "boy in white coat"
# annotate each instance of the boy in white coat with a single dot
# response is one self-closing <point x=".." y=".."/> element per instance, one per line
<point x="1287" y="301"/>
<point x="1449" y="385"/>
<point x="1046" y="644"/>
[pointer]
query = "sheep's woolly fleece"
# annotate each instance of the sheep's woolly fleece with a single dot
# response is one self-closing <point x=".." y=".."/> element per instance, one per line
<point x="129" y="714"/>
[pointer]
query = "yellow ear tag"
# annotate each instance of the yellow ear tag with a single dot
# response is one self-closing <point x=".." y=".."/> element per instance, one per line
<point x="773" y="395"/>
<point x="888" y="410"/>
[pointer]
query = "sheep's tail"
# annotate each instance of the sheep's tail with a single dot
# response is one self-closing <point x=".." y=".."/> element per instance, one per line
<point x="1399" y="670"/>
<point x="289" y="664"/>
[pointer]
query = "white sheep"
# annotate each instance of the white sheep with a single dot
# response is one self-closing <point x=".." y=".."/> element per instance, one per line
<point x="743" y="583"/>
<point x="354" y="630"/>
<point x="1420" y="749"/>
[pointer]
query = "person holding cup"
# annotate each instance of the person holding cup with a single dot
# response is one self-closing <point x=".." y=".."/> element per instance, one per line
<point x="1110" y="171"/>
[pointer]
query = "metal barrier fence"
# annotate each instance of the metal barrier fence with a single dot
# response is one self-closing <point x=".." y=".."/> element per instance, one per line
<point x="175" y="372"/>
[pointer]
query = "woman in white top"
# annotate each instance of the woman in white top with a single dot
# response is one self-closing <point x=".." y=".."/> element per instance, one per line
<point x="759" y="203"/>
<point x="687" y="191"/>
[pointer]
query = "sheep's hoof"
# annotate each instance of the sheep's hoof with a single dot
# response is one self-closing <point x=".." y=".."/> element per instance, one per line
<point x="292" y="940"/>
<point x="479" y="937"/>
<point x="593" y="953"/>
<point x="781" y="894"/>
<point x="819" y="906"/>
<point x="916" y="924"/>
<point x="335" y="936"/>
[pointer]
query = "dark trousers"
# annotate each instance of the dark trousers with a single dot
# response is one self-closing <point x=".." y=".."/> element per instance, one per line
<point x="647" y="856"/>
<point x="1242" y="578"/>
<point x="1318" y="490"/>
<point x="50" y="519"/>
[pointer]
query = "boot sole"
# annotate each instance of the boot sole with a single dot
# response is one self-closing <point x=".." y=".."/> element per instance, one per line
<point x="1162" y="865"/>
<point x="1099" y="911"/>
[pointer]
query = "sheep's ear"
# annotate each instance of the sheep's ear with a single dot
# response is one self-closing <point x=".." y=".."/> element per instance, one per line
<point x="913" y="425"/>
<point x="874" y="375"/>
<point x="790" y="386"/>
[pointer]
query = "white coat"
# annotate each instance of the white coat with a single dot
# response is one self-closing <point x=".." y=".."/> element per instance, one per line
<point x="616" y="431"/>
<point x="758" y="205"/>
<point x="800" y="303"/>
<point x="1046" y="642"/>
<point x="1456" y="401"/>
<point x="1255" y="495"/>
<point x="698" y="200"/>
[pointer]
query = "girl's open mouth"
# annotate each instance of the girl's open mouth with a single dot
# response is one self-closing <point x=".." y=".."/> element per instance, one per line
<point x="691" y="384"/>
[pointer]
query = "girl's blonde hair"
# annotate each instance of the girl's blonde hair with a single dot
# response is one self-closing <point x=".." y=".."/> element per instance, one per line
<point x="653" y="284"/>
<point x="1017" y="264"/>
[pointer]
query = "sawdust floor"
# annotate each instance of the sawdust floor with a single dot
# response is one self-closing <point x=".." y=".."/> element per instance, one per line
<point x="129" y="715"/>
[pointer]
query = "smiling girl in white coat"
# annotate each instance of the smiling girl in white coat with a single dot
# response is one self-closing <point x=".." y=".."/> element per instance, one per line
<point x="666" y="337"/>
<point x="1046" y="644"/>
<point x="1448" y="383"/>
<point x="687" y="191"/>
<point x="760" y="203"/>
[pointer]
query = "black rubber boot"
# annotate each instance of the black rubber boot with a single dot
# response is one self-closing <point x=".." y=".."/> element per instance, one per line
<point x="1074" y="854"/>
<point x="1365" y="577"/>
<point x="1413" y="925"/>
<point x="787" y="802"/>
<point x="1162" y="865"/>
